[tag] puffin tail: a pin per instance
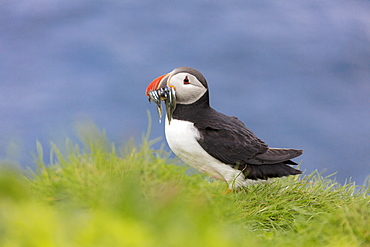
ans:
(264, 172)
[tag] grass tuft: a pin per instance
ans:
(99, 194)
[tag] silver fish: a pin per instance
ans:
(170, 103)
(168, 95)
(153, 96)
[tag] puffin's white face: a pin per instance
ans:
(188, 88)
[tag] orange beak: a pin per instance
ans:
(159, 90)
(158, 83)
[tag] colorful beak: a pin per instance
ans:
(159, 91)
(160, 82)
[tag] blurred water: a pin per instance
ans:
(297, 73)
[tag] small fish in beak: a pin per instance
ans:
(158, 91)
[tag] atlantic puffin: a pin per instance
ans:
(211, 142)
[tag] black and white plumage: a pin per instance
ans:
(212, 142)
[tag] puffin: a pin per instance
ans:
(211, 142)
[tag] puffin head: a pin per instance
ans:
(183, 85)
(188, 83)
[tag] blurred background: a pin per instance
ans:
(297, 73)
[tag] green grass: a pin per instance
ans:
(102, 195)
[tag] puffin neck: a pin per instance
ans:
(184, 112)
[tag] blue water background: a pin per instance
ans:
(297, 73)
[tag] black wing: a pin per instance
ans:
(228, 140)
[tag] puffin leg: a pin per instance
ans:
(228, 190)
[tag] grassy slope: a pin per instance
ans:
(100, 196)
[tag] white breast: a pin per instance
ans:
(182, 138)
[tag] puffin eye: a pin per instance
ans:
(186, 80)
